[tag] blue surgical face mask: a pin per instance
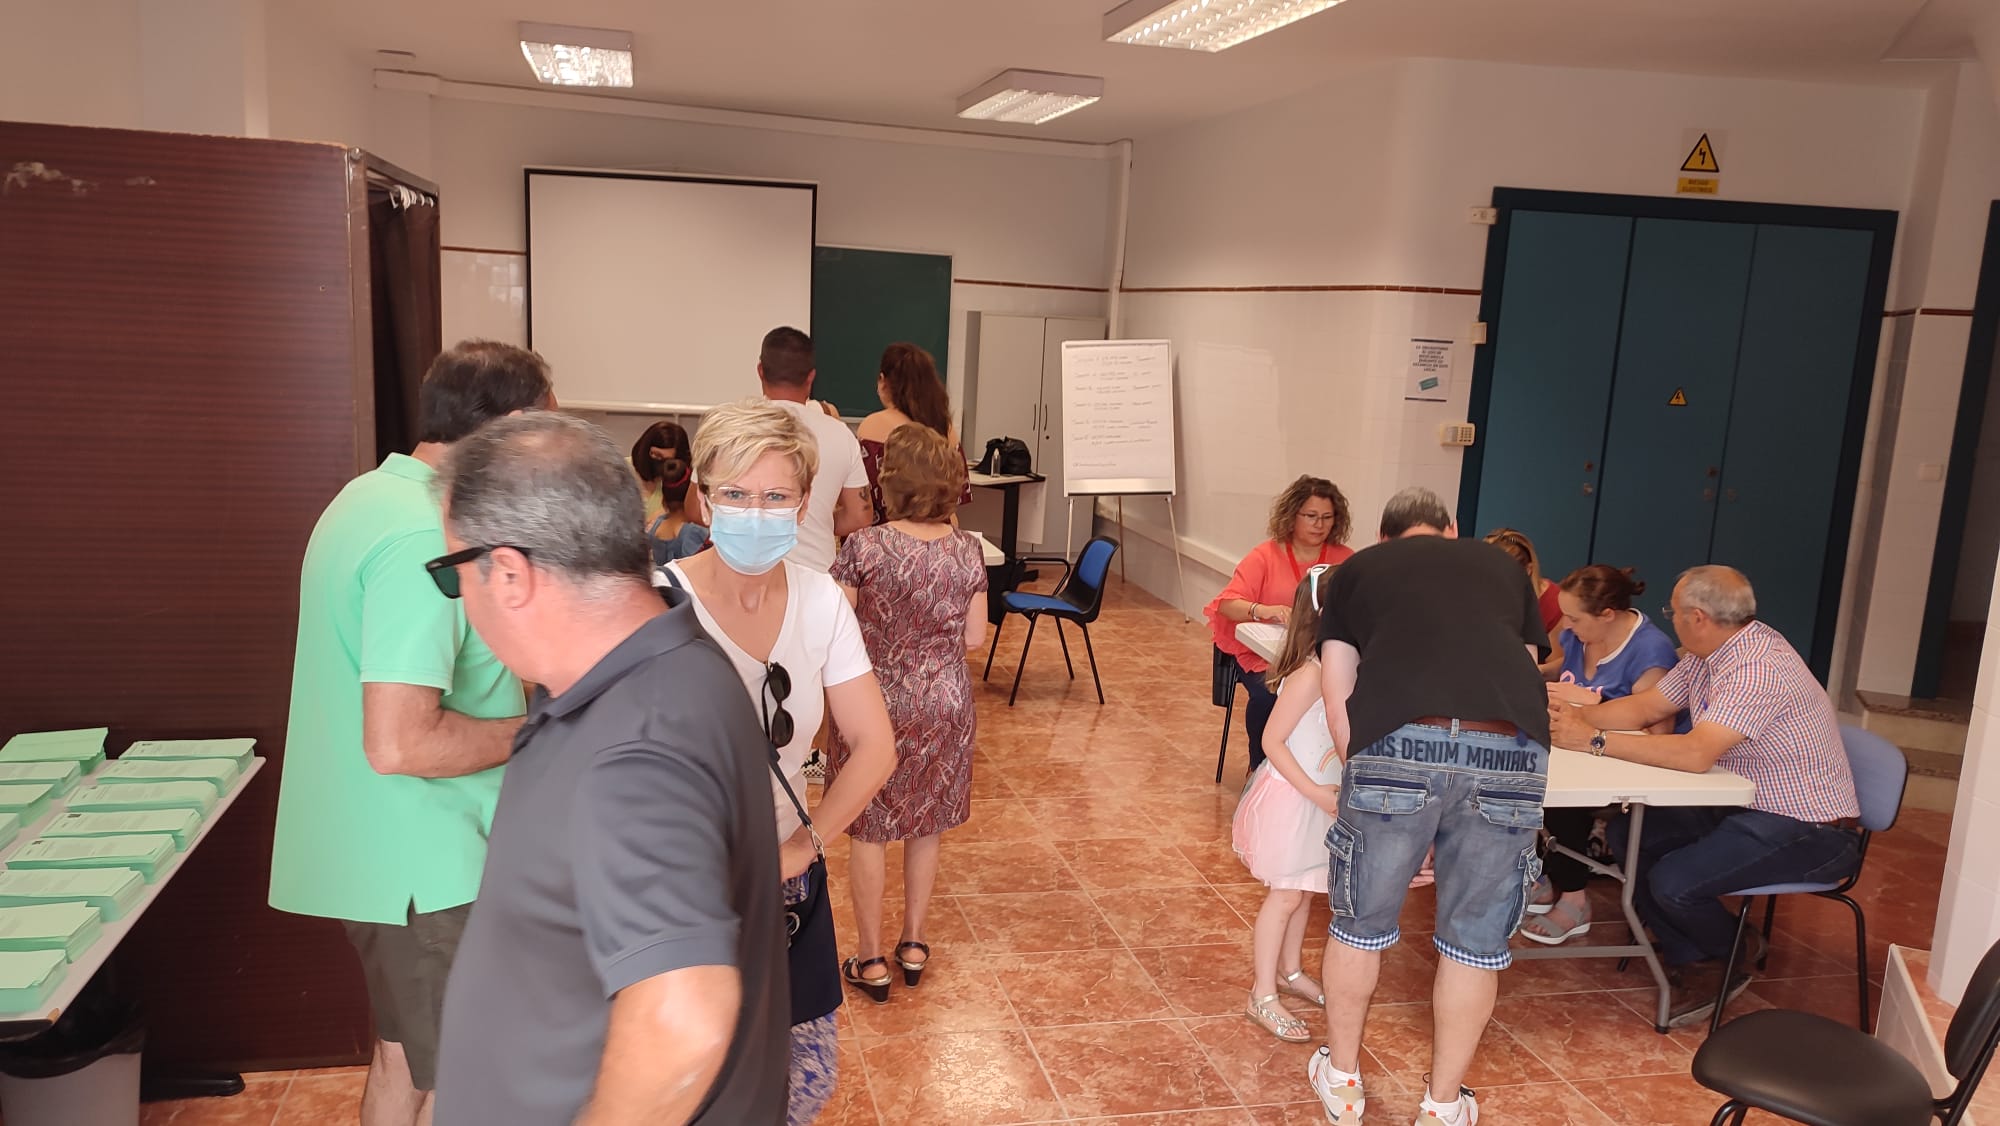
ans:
(752, 540)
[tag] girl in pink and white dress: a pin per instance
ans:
(1281, 823)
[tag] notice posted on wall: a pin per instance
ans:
(1430, 370)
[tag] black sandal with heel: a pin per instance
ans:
(913, 972)
(851, 973)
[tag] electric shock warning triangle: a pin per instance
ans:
(1702, 158)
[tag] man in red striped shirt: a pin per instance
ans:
(1759, 712)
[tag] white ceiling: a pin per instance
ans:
(905, 62)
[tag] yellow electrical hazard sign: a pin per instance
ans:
(1701, 158)
(1680, 398)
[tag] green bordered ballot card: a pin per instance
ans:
(197, 796)
(114, 891)
(68, 927)
(27, 977)
(26, 800)
(10, 827)
(84, 746)
(236, 750)
(181, 824)
(144, 853)
(61, 775)
(219, 772)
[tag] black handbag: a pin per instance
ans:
(1007, 457)
(811, 948)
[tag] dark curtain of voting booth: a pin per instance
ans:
(188, 358)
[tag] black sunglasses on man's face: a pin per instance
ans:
(444, 569)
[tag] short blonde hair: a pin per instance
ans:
(922, 475)
(734, 435)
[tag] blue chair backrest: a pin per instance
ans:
(1880, 772)
(1084, 589)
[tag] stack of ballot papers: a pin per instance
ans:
(84, 747)
(27, 977)
(181, 824)
(197, 796)
(61, 775)
(68, 927)
(144, 853)
(113, 891)
(236, 750)
(10, 827)
(26, 800)
(221, 772)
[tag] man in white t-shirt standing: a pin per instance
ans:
(838, 503)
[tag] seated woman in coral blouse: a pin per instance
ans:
(1309, 525)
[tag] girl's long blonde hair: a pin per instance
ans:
(1303, 633)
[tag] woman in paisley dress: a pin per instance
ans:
(918, 585)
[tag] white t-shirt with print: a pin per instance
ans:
(840, 467)
(819, 645)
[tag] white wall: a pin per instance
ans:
(1367, 181)
(44, 78)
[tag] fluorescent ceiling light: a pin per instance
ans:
(577, 56)
(1030, 96)
(1203, 25)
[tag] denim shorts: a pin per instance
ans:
(1478, 798)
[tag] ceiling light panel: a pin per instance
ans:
(1030, 97)
(577, 56)
(1203, 25)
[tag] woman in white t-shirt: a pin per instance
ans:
(794, 640)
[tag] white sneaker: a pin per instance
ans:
(1433, 1113)
(1340, 1095)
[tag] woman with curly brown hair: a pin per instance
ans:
(1309, 525)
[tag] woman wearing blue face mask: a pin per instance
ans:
(795, 642)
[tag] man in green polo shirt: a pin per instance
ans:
(400, 721)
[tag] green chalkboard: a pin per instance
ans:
(862, 302)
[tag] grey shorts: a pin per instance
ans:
(406, 967)
(1477, 798)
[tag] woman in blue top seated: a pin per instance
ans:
(1609, 650)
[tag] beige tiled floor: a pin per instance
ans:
(1092, 937)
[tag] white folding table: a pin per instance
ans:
(1579, 780)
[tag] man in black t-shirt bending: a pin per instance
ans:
(1429, 646)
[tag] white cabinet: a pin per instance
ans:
(1013, 389)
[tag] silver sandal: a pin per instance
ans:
(1288, 984)
(1268, 1014)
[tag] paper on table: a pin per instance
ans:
(219, 771)
(61, 775)
(81, 737)
(114, 891)
(234, 749)
(145, 853)
(26, 800)
(198, 796)
(27, 977)
(10, 827)
(182, 824)
(69, 927)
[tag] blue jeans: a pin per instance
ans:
(1690, 858)
(1256, 710)
(1478, 798)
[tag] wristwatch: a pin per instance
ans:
(1597, 744)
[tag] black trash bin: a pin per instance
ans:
(84, 1069)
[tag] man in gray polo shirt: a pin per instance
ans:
(625, 960)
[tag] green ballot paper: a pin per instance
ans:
(10, 827)
(27, 977)
(181, 824)
(61, 775)
(144, 853)
(84, 747)
(68, 927)
(236, 750)
(113, 891)
(220, 772)
(26, 800)
(197, 796)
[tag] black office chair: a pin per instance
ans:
(1823, 1073)
(1078, 598)
(1222, 680)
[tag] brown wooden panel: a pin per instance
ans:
(183, 395)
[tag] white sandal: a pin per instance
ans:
(1268, 1014)
(1288, 984)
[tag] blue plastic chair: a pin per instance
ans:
(1077, 598)
(1880, 773)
